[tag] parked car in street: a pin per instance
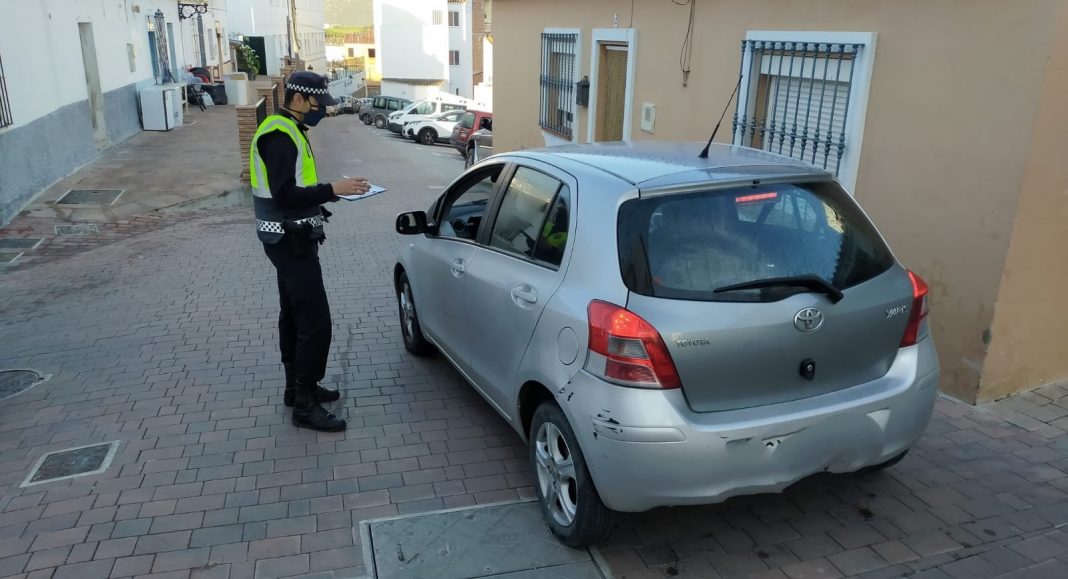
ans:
(379, 108)
(433, 129)
(345, 106)
(425, 108)
(479, 145)
(461, 133)
(664, 329)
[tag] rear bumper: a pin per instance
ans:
(647, 449)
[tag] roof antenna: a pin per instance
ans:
(704, 152)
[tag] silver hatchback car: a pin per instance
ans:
(669, 330)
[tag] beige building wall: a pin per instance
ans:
(949, 129)
(1029, 338)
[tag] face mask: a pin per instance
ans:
(312, 117)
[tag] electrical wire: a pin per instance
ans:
(686, 53)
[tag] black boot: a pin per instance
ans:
(309, 414)
(321, 394)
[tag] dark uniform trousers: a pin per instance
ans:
(304, 325)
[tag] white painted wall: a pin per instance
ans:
(460, 39)
(408, 43)
(39, 40)
(310, 22)
(270, 19)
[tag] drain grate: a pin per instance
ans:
(72, 462)
(14, 381)
(78, 229)
(90, 197)
(19, 243)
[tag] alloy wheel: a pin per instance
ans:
(556, 474)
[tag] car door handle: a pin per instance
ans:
(524, 295)
(458, 267)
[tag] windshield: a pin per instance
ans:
(689, 246)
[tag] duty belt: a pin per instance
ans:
(276, 226)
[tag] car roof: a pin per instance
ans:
(662, 163)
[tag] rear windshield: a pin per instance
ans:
(687, 246)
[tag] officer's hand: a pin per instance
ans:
(351, 186)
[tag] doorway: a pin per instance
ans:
(92, 84)
(613, 93)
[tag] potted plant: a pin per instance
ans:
(248, 61)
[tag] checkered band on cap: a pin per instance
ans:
(305, 89)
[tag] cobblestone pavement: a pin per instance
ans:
(165, 341)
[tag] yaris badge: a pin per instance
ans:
(808, 320)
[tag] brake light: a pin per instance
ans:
(627, 350)
(756, 197)
(917, 326)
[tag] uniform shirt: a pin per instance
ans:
(279, 156)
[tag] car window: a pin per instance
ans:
(448, 107)
(424, 109)
(452, 116)
(522, 216)
(379, 103)
(684, 247)
(468, 120)
(393, 105)
(465, 205)
(553, 239)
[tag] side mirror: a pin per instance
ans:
(412, 223)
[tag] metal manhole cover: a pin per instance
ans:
(72, 462)
(14, 381)
(90, 197)
(505, 540)
(78, 229)
(19, 243)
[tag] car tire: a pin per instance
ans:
(411, 331)
(428, 136)
(380, 122)
(569, 501)
(884, 465)
(366, 119)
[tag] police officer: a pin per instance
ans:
(288, 202)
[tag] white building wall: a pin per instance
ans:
(408, 42)
(40, 41)
(52, 132)
(460, 40)
(310, 22)
(264, 18)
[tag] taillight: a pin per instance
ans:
(627, 350)
(916, 330)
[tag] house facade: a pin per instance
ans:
(70, 71)
(461, 47)
(280, 28)
(412, 46)
(945, 120)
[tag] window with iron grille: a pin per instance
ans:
(436, 18)
(795, 99)
(557, 82)
(454, 18)
(5, 103)
(454, 58)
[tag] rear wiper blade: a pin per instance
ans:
(812, 282)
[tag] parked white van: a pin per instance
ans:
(423, 109)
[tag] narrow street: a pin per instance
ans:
(165, 341)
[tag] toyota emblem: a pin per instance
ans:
(808, 320)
